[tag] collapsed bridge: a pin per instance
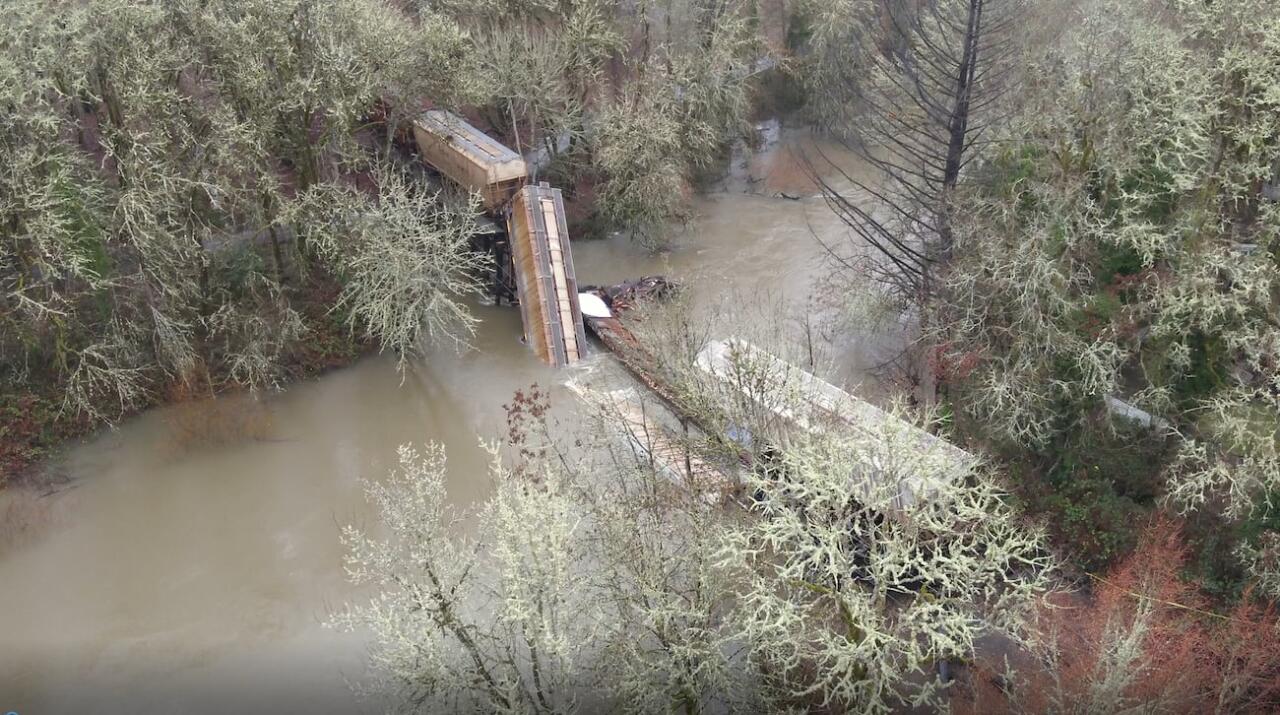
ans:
(533, 262)
(533, 266)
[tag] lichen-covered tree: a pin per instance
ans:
(851, 595)
(54, 208)
(821, 587)
(846, 596)
(637, 144)
(606, 583)
(685, 99)
(671, 642)
(571, 596)
(156, 151)
(544, 73)
(1124, 247)
(490, 625)
(635, 97)
(403, 256)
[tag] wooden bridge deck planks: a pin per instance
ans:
(666, 452)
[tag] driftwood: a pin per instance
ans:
(619, 340)
(624, 296)
(623, 343)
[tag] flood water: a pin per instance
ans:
(183, 569)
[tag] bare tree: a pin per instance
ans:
(918, 106)
(1142, 640)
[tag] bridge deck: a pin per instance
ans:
(658, 445)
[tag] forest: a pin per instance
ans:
(1067, 213)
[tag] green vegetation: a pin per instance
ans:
(200, 193)
(1120, 245)
(1076, 204)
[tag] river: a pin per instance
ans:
(187, 572)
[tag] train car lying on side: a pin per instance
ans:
(922, 464)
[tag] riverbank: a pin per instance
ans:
(35, 426)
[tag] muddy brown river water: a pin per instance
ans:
(182, 574)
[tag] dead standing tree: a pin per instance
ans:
(918, 109)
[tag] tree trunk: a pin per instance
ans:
(958, 126)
